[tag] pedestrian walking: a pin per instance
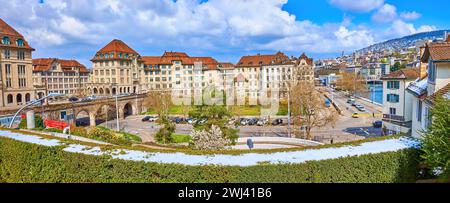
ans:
(373, 114)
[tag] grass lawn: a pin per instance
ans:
(180, 138)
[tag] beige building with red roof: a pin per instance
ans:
(16, 70)
(275, 72)
(117, 68)
(67, 77)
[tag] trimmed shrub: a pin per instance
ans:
(24, 162)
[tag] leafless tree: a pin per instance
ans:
(309, 109)
(351, 82)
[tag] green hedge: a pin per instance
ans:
(24, 162)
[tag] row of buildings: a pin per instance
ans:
(409, 94)
(118, 69)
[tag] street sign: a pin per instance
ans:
(250, 143)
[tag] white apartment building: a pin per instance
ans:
(436, 60)
(67, 77)
(397, 102)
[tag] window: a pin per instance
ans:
(393, 84)
(419, 111)
(393, 98)
(7, 54)
(5, 40)
(392, 111)
(10, 99)
(20, 43)
(431, 71)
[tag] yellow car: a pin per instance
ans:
(355, 115)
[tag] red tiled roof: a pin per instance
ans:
(226, 65)
(439, 93)
(115, 47)
(437, 51)
(8, 31)
(309, 61)
(44, 64)
(258, 60)
(406, 73)
(208, 63)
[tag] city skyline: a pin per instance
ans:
(214, 28)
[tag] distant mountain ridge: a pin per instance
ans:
(404, 42)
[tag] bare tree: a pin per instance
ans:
(351, 82)
(309, 109)
(159, 101)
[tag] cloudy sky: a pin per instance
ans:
(224, 29)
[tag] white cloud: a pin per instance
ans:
(357, 5)
(410, 15)
(215, 26)
(400, 28)
(385, 14)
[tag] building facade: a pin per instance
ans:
(16, 70)
(397, 102)
(435, 59)
(67, 77)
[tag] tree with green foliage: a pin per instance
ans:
(397, 66)
(164, 135)
(436, 140)
(39, 123)
(215, 115)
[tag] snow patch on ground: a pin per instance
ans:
(249, 159)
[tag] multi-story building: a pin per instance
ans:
(435, 59)
(397, 105)
(67, 77)
(16, 70)
(271, 72)
(118, 68)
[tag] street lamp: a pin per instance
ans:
(117, 108)
(33, 103)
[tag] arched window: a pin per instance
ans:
(10, 99)
(19, 98)
(20, 42)
(27, 97)
(5, 40)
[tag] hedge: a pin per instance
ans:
(30, 163)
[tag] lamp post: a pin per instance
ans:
(33, 103)
(117, 110)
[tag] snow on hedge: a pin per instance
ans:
(247, 159)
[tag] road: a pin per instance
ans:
(346, 128)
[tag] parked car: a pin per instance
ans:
(353, 103)
(253, 121)
(202, 121)
(262, 122)
(350, 101)
(179, 120)
(153, 118)
(277, 121)
(146, 118)
(244, 121)
(190, 120)
(378, 124)
(355, 115)
(73, 99)
(360, 108)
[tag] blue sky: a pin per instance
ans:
(224, 29)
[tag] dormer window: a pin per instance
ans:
(5, 40)
(120, 55)
(20, 42)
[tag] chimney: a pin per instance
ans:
(423, 66)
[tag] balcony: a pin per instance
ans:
(389, 117)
